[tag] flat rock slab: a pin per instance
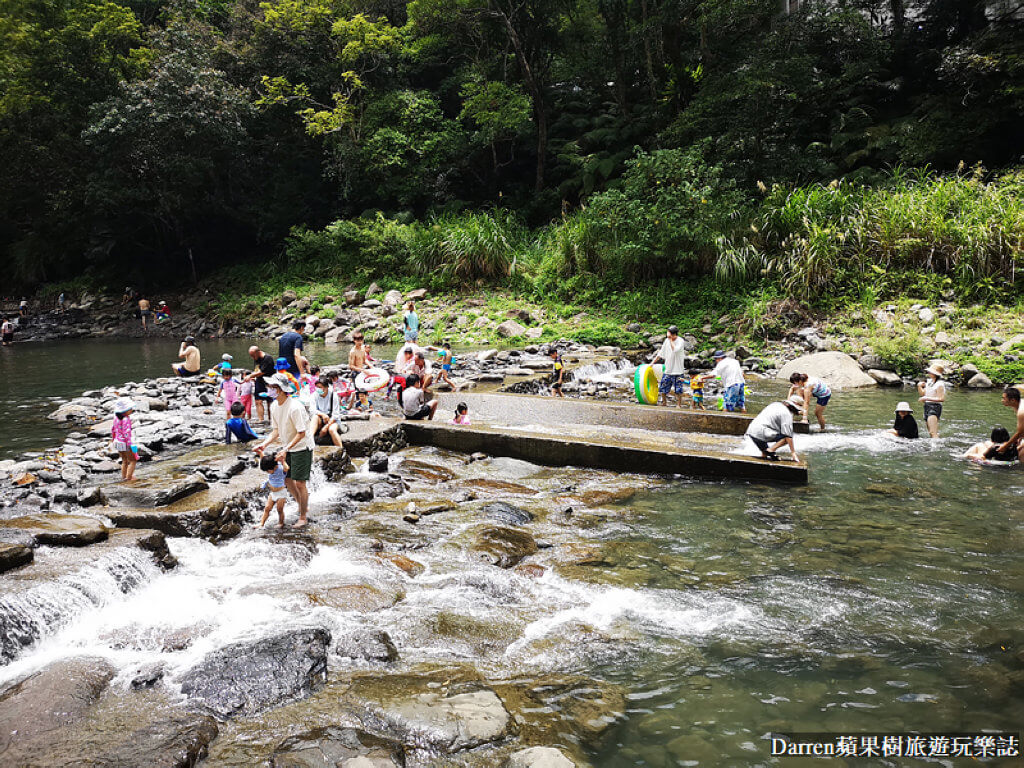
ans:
(155, 491)
(409, 711)
(14, 556)
(33, 709)
(252, 676)
(539, 757)
(59, 530)
(332, 746)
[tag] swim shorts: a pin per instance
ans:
(733, 398)
(671, 383)
(300, 464)
(185, 373)
(823, 401)
(933, 409)
(446, 367)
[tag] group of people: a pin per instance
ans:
(675, 378)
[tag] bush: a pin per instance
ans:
(483, 245)
(905, 354)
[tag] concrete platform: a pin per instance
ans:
(531, 409)
(622, 438)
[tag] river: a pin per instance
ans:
(885, 596)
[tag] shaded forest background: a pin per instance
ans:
(604, 140)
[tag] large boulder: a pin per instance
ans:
(249, 677)
(416, 295)
(838, 370)
(885, 378)
(34, 710)
(980, 381)
(333, 746)
(392, 298)
(510, 328)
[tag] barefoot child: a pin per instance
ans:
(696, 391)
(275, 484)
(447, 361)
(237, 427)
(461, 414)
(121, 435)
(230, 389)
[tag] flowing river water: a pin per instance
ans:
(677, 621)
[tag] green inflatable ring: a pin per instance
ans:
(645, 385)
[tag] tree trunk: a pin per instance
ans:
(536, 95)
(898, 15)
(648, 58)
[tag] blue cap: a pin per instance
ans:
(281, 364)
(719, 353)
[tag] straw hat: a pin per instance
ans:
(903, 405)
(936, 370)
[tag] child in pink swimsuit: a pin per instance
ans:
(230, 389)
(121, 435)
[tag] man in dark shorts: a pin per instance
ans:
(289, 421)
(7, 332)
(262, 370)
(289, 346)
(192, 364)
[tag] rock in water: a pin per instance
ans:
(13, 555)
(249, 677)
(331, 746)
(367, 644)
(32, 710)
(379, 462)
(505, 547)
(58, 530)
(980, 381)
(539, 757)
(838, 370)
(506, 514)
(885, 378)
(447, 723)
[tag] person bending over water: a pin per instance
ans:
(905, 424)
(933, 394)
(775, 425)
(1012, 399)
(807, 387)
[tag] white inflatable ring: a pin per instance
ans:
(372, 379)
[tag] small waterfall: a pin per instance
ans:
(29, 616)
(605, 370)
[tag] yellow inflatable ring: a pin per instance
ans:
(645, 385)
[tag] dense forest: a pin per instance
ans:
(626, 140)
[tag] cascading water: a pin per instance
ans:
(604, 371)
(28, 616)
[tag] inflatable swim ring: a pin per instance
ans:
(372, 379)
(645, 384)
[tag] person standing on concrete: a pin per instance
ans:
(728, 370)
(263, 369)
(673, 354)
(773, 427)
(289, 347)
(289, 421)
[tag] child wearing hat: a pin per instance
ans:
(933, 394)
(121, 437)
(905, 424)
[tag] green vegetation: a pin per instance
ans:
(568, 148)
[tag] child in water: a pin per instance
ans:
(461, 414)
(237, 426)
(121, 436)
(696, 392)
(245, 390)
(447, 361)
(363, 403)
(275, 484)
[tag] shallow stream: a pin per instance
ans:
(676, 622)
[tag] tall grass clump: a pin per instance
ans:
(469, 246)
(824, 240)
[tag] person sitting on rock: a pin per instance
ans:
(193, 362)
(773, 427)
(414, 400)
(905, 424)
(327, 409)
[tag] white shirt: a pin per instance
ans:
(289, 419)
(932, 390)
(729, 371)
(674, 355)
(776, 419)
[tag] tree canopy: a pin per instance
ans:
(142, 136)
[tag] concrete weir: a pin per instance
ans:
(623, 438)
